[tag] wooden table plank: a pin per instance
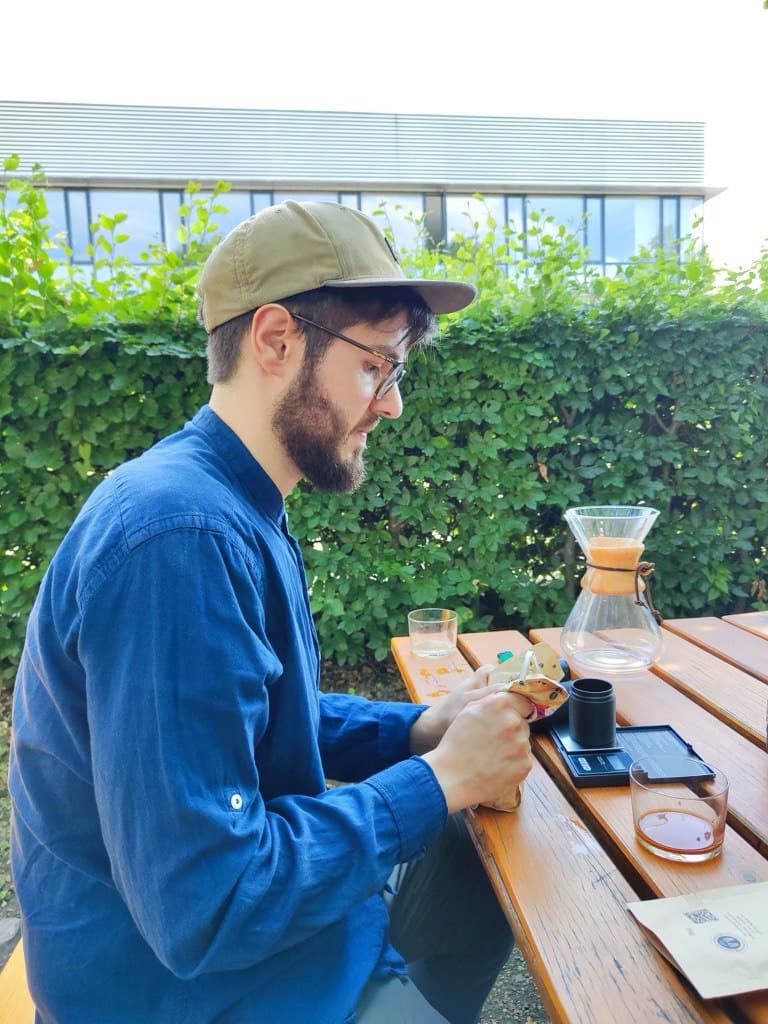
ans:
(734, 696)
(753, 622)
(16, 1006)
(552, 876)
(428, 679)
(746, 650)
(642, 698)
(607, 810)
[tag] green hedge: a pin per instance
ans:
(511, 426)
(558, 387)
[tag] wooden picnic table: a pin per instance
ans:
(566, 863)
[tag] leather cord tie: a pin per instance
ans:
(642, 569)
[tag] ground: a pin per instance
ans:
(514, 999)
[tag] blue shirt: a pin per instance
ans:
(176, 853)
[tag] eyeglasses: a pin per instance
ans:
(385, 385)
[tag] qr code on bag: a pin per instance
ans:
(701, 916)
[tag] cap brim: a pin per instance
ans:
(440, 296)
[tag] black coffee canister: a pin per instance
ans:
(592, 713)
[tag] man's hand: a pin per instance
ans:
(485, 751)
(476, 740)
(429, 728)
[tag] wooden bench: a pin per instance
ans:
(16, 1006)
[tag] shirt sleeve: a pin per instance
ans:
(359, 736)
(178, 667)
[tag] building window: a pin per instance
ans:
(631, 224)
(306, 197)
(434, 217)
(143, 223)
(516, 214)
(402, 213)
(594, 235)
(260, 201)
(612, 228)
(79, 219)
(57, 222)
(670, 226)
(236, 204)
(565, 211)
(468, 216)
(170, 202)
(691, 214)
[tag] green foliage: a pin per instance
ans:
(557, 387)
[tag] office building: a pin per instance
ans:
(618, 184)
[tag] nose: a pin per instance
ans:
(389, 405)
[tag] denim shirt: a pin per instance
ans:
(176, 853)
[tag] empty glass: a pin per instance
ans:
(432, 632)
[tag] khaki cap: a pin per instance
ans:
(296, 247)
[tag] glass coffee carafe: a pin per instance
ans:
(613, 625)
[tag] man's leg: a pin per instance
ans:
(447, 925)
(395, 1000)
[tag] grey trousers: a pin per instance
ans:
(447, 925)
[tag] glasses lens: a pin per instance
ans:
(394, 376)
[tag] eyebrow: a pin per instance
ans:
(390, 350)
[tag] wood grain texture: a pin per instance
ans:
(746, 649)
(428, 679)
(608, 814)
(642, 698)
(608, 809)
(753, 622)
(716, 683)
(566, 901)
(16, 1006)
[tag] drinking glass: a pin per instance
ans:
(679, 807)
(432, 632)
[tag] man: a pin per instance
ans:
(176, 853)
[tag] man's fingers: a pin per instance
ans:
(479, 678)
(522, 705)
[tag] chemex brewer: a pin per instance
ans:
(613, 625)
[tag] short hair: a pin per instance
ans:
(335, 308)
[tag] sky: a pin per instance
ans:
(696, 60)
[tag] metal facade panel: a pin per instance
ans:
(143, 144)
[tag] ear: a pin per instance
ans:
(273, 340)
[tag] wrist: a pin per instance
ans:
(423, 736)
(452, 784)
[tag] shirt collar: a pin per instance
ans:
(252, 477)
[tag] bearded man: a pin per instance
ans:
(177, 854)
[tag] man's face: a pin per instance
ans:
(325, 416)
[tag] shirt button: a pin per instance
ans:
(236, 802)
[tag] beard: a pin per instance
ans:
(312, 431)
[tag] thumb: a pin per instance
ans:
(479, 678)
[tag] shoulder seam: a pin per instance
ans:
(215, 527)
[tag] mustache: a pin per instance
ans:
(367, 425)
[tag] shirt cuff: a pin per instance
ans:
(395, 722)
(416, 802)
